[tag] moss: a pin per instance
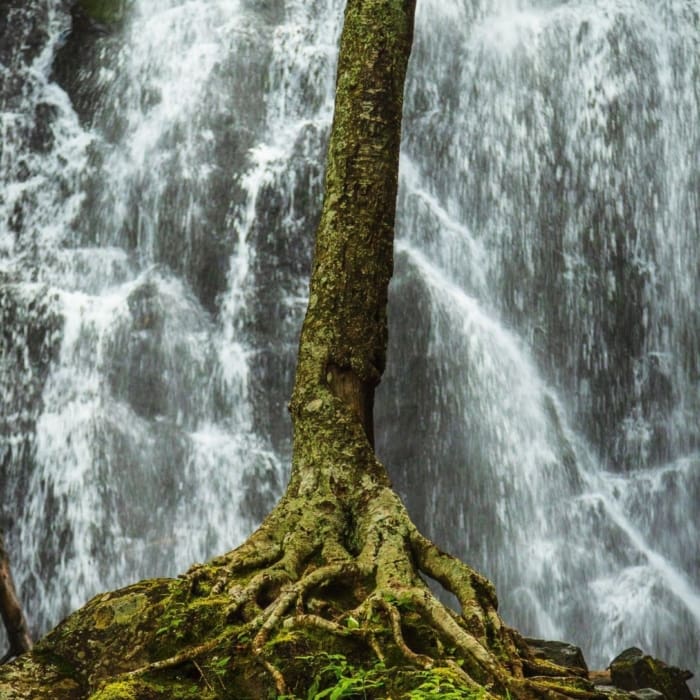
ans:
(29, 678)
(104, 11)
(121, 690)
(139, 689)
(186, 621)
(326, 673)
(633, 669)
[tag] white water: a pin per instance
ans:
(548, 223)
(540, 410)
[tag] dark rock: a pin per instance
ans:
(146, 307)
(88, 47)
(560, 653)
(139, 375)
(84, 24)
(635, 670)
(35, 41)
(42, 138)
(156, 365)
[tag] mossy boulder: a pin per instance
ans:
(635, 670)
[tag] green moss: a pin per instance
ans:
(105, 11)
(441, 684)
(28, 678)
(140, 689)
(336, 675)
(121, 690)
(544, 667)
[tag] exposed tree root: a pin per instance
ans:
(280, 682)
(339, 576)
(189, 654)
(392, 612)
(374, 596)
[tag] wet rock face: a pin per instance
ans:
(23, 34)
(193, 235)
(155, 347)
(88, 48)
(30, 336)
(145, 379)
(636, 671)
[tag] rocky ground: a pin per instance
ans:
(631, 675)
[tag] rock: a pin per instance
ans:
(42, 138)
(89, 47)
(634, 670)
(560, 653)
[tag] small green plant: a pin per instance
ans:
(173, 627)
(347, 681)
(336, 678)
(220, 666)
(440, 687)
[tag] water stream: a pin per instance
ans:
(160, 187)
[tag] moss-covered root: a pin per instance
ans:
(358, 593)
(375, 600)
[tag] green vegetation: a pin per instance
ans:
(105, 11)
(336, 678)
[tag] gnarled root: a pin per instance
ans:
(349, 577)
(387, 605)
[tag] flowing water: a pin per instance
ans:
(160, 187)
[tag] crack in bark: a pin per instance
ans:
(358, 395)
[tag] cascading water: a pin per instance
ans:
(548, 215)
(161, 184)
(140, 454)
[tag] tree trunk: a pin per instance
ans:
(11, 610)
(344, 337)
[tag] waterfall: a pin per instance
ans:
(161, 182)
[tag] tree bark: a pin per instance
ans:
(344, 337)
(11, 610)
